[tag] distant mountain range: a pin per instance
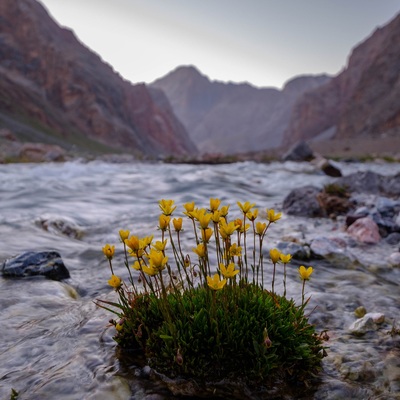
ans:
(54, 90)
(230, 118)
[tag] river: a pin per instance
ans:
(56, 344)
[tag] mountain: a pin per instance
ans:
(55, 90)
(362, 102)
(230, 118)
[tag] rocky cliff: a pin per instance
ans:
(362, 102)
(55, 90)
(232, 118)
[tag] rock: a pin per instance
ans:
(394, 259)
(63, 226)
(45, 263)
(359, 312)
(362, 325)
(393, 238)
(300, 151)
(297, 251)
(378, 318)
(365, 230)
(328, 168)
(303, 202)
(332, 250)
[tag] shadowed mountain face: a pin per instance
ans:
(53, 89)
(232, 118)
(362, 102)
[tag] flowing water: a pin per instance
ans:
(56, 344)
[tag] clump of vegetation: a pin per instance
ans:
(335, 189)
(208, 315)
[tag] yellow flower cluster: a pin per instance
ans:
(212, 224)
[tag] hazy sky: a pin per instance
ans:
(263, 42)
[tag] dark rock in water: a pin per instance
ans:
(371, 182)
(328, 168)
(303, 202)
(297, 251)
(31, 263)
(301, 151)
(393, 238)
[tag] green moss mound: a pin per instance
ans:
(242, 331)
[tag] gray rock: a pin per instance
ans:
(300, 151)
(393, 238)
(303, 202)
(297, 251)
(46, 263)
(362, 325)
(333, 251)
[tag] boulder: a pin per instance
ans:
(300, 151)
(303, 202)
(365, 230)
(327, 167)
(45, 263)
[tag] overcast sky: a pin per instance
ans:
(263, 42)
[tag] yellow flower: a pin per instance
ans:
(133, 243)
(115, 281)
(204, 218)
(167, 206)
(150, 270)
(235, 250)
(252, 215)
(146, 241)
(157, 259)
(108, 251)
(215, 283)
(285, 258)
(271, 216)
(189, 207)
(200, 250)
(160, 246)
(118, 327)
(137, 265)
(206, 234)
(229, 271)
(305, 273)
(164, 222)
(227, 230)
(224, 211)
(260, 228)
(214, 204)
(216, 215)
(123, 235)
(246, 207)
(275, 255)
(177, 224)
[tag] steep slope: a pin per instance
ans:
(51, 81)
(232, 118)
(362, 102)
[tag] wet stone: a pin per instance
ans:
(359, 312)
(362, 325)
(46, 263)
(394, 259)
(297, 251)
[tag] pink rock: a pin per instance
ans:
(365, 230)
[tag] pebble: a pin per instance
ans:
(394, 259)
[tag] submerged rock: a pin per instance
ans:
(45, 263)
